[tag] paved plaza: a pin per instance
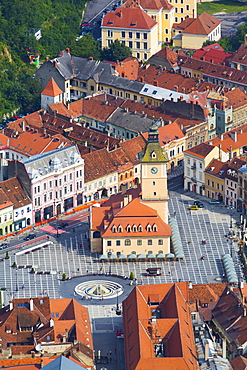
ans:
(69, 253)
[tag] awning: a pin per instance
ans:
(170, 255)
(230, 269)
(176, 239)
(150, 255)
(132, 256)
(141, 256)
(112, 257)
(160, 255)
(122, 256)
(102, 257)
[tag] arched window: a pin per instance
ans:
(153, 155)
(149, 229)
(127, 242)
(140, 228)
(126, 175)
(114, 229)
(154, 228)
(120, 229)
(96, 234)
(131, 174)
(128, 228)
(134, 228)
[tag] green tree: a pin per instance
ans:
(7, 255)
(132, 275)
(64, 277)
(116, 51)
(32, 271)
(86, 47)
(14, 265)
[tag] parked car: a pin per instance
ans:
(214, 201)
(154, 271)
(30, 237)
(4, 245)
(198, 203)
(193, 207)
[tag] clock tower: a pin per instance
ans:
(154, 176)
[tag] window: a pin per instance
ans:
(118, 243)
(70, 176)
(150, 242)
(45, 198)
(50, 195)
(176, 19)
(138, 46)
(123, 34)
(130, 44)
(108, 243)
(44, 186)
(167, 31)
(137, 35)
(160, 242)
(145, 56)
(153, 182)
(109, 42)
(145, 36)
(145, 45)
(181, 10)
(70, 187)
(166, 16)
(109, 33)
(50, 184)
(137, 54)
(56, 183)
(127, 242)
(187, 7)
(130, 35)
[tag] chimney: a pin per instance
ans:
(51, 323)
(41, 364)
(219, 152)
(55, 112)
(126, 200)
(224, 348)
(190, 285)
(241, 284)
(90, 58)
(221, 137)
(23, 126)
(123, 188)
(130, 198)
(54, 64)
(31, 304)
(234, 136)
(120, 13)
(68, 50)
(230, 152)
(64, 338)
(206, 349)
(181, 97)
(244, 312)
(11, 306)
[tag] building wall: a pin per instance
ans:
(214, 187)
(49, 100)
(22, 217)
(231, 192)
(153, 244)
(6, 220)
(109, 182)
(142, 48)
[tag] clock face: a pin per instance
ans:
(154, 170)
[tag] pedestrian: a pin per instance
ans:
(110, 353)
(110, 358)
(175, 214)
(202, 257)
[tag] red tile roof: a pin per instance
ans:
(172, 327)
(129, 16)
(212, 55)
(233, 139)
(168, 133)
(217, 168)
(239, 363)
(15, 193)
(52, 88)
(155, 4)
(237, 98)
(4, 200)
(201, 150)
(241, 55)
(203, 25)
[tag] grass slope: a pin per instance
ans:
(228, 6)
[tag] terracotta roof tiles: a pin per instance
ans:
(52, 88)
(203, 25)
(241, 55)
(201, 150)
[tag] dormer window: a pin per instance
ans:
(134, 228)
(120, 229)
(140, 228)
(128, 228)
(149, 229)
(153, 155)
(154, 228)
(114, 229)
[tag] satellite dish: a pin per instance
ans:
(38, 347)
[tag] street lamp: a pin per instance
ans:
(16, 288)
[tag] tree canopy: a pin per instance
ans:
(116, 51)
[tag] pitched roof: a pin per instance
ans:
(128, 18)
(239, 363)
(201, 150)
(52, 88)
(63, 363)
(172, 327)
(215, 56)
(217, 168)
(237, 98)
(155, 4)
(241, 55)
(4, 200)
(203, 25)
(14, 191)
(168, 133)
(232, 139)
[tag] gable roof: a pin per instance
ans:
(14, 191)
(201, 150)
(241, 55)
(212, 55)
(63, 363)
(237, 98)
(52, 88)
(239, 363)
(4, 200)
(172, 325)
(203, 25)
(217, 168)
(155, 4)
(128, 18)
